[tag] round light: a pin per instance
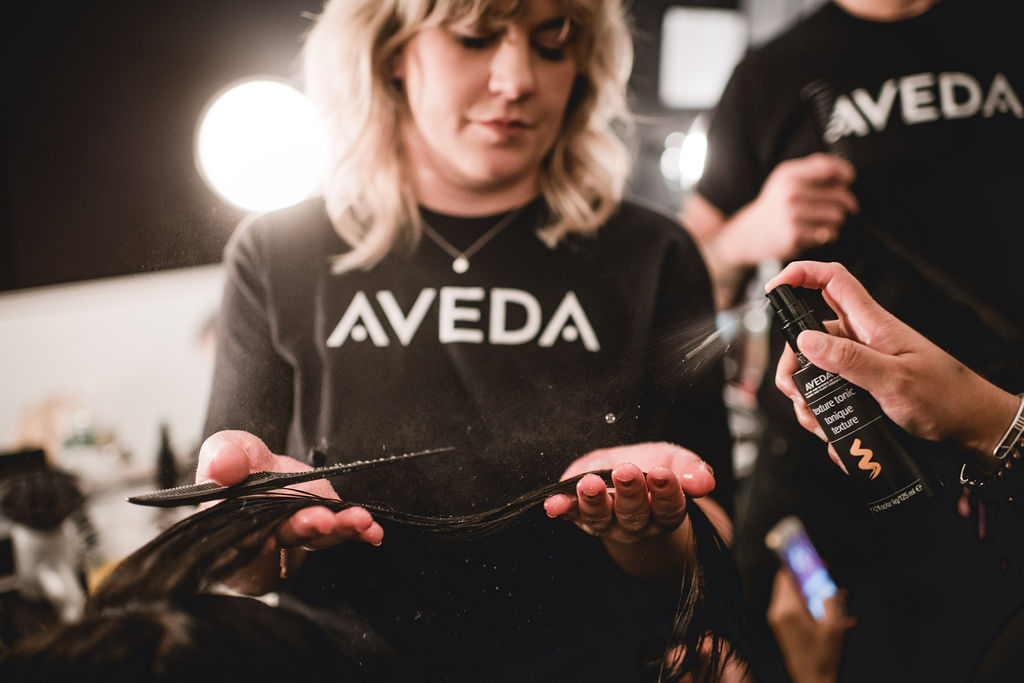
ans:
(692, 153)
(260, 145)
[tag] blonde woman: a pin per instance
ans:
(473, 279)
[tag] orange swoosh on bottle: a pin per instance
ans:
(865, 454)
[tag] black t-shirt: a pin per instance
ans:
(929, 111)
(530, 359)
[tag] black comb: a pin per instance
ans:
(258, 482)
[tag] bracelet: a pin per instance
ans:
(1009, 452)
(1013, 433)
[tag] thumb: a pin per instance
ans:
(228, 456)
(854, 361)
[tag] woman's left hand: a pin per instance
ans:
(811, 649)
(639, 507)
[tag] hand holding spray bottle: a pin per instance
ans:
(890, 480)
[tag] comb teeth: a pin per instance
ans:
(254, 478)
(257, 482)
(163, 493)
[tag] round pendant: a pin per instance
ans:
(460, 265)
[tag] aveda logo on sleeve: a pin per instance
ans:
(460, 319)
(865, 455)
(922, 98)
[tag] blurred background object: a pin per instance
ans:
(45, 544)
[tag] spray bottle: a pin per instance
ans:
(889, 479)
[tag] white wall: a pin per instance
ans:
(128, 348)
(769, 17)
(129, 351)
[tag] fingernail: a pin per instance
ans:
(657, 479)
(709, 468)
(591, 487)
(626, 481)
(810, 340)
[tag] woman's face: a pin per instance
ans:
(485, 104)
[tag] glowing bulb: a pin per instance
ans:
(260, 145)
(691, 156)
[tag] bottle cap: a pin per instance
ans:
(793, 313)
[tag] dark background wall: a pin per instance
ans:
(102, 99)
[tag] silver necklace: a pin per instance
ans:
(460, 259)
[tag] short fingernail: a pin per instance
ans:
(657, 479)
(590, 487)
(811, 342)
(709, 468)
(625, 481)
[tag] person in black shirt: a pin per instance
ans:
(885, 135)
(473, 279)
(910, 377)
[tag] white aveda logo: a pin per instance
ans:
(455, 319)
(923, 97)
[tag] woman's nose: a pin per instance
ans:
(511, 68)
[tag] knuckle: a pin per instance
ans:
(783, 381)
(593, 518)
(845, 355)
(901, 383)
(672, 519)
(633, 520)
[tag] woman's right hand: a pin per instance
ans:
(919, 386)
(803, 204)
(227, 457)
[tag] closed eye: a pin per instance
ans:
(550, 39)
(553, 37)
(477, 42)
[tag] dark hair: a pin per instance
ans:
(154, 619)
(204, 637)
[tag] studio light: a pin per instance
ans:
(692, 153)
(260, 146)
(682, 159)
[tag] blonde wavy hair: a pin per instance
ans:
(347, 61)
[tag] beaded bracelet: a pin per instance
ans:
(1008, 477)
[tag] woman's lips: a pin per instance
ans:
(505, 127)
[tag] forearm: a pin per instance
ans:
(992, 411)
(711, 231)
(801, 671)
(729, 277)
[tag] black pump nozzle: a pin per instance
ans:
(793, 313)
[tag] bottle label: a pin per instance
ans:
(854, 424)
(898, 498)
(842, 409)
(838, 415)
